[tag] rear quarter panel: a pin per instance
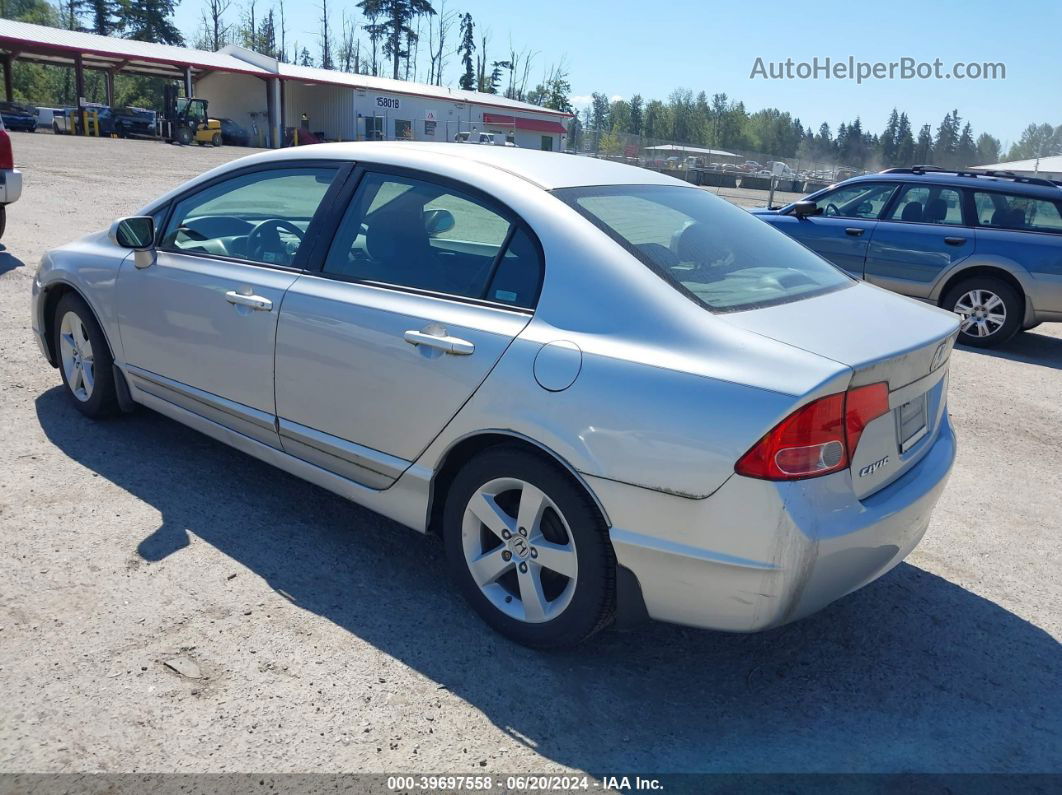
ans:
(1034, 258)
(632, 416)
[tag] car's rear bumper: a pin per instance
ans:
(757, 554)
(10, 185)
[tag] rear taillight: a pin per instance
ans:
(863, 404)
(818, 438)
(7, 158)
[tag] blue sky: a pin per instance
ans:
(651, 48)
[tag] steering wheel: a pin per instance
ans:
(832, 209)
(266, 237)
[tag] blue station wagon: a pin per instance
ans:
(987, 245)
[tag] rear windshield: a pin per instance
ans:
(714, 252)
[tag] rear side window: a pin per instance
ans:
(519, 271)
(415, 233)
(1010, 211)
(714, 252)
(928, 204)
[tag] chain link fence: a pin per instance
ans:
(737, 174)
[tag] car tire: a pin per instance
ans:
(3, 219)
(184, 136)
(84, 358)
(55, 128)
(515, 591)
(216, 139)
(991, 310)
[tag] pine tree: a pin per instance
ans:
(924, 147)
(654, 110)
(495, 77)
(267, 35)
(104, 17)
(947, 140)
(575, 134)
(822, 149)
(600, 109)
(840, 144)
(905, 145)
(376, 32)
(636, 114)
(890, 139)
(855, 147)
(966, 151)
(150, 20)
(396, 27)
(467, 48)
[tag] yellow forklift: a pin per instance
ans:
(186, 120)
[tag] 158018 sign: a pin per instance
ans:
(387, 102)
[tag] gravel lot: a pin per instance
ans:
(328, 639)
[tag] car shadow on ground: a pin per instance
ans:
(913, 673)
(1027, 347)
(8, 261)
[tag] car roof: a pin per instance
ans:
(548, 170)
(964, 180)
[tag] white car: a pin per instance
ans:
(483, 138)
(10, 177)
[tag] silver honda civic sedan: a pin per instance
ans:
(613, 395)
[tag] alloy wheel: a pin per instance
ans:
(519, 550)
(75, 352)
(983, 312)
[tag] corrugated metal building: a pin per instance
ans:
(266, 96)
(1049, 167)
(349, 107)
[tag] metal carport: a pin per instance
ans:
(59, 47)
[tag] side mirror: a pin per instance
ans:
(137, 232)
(437, 221)
(805, 208)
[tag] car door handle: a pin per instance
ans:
(955, 241)
(854, 231)
(259, 303)
(451, 345)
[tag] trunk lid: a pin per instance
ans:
(883, 337)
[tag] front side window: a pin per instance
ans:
(928, 204)
(414, 233)
(715, 252)
(1010, 211)
(261, 216)
(862, 200)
